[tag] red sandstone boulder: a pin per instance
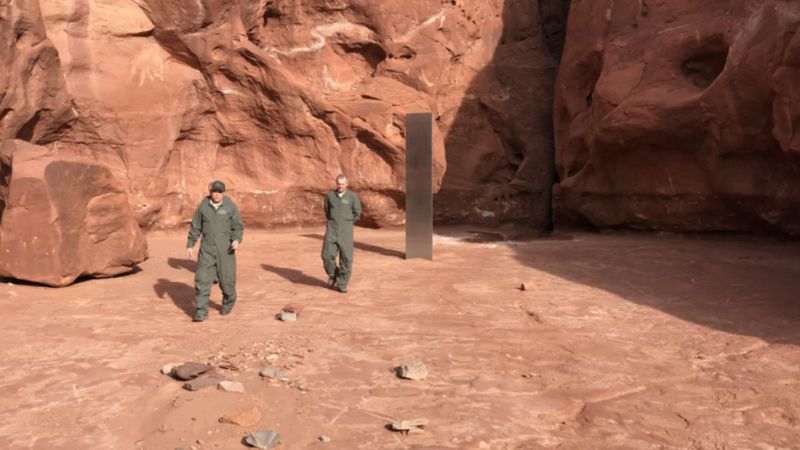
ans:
(680, 115)
(62, 218)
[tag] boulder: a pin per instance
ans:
(63, 217)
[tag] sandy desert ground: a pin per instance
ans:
(629, 340)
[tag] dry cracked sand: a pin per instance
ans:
(625, 341)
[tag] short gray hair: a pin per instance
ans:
(341, 177)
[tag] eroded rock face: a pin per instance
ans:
(499, 144)
(680, 115)
(278, 97)
(62, 218)
(33, 99)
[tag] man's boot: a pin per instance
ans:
(200, 315)
(227, 308)
(332, 279)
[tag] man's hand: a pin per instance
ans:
(190, 252)
(234, 245)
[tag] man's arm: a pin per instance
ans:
(356, 208)
(194, 232)
(237, 227)
(327, 206)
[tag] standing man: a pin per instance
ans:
(342, 209)
(217, 219)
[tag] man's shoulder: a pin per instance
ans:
(228, 201)
(352, 194)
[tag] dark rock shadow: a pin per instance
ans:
(295, 276)
(181, 294)
(735, 284)
(365, 247)
(500, 148)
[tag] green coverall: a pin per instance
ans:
(216, 259)
(341, 214)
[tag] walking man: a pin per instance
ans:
(342, 209)
(217, 219)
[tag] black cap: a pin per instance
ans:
(217, 186)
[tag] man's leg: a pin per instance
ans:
(346, 266)
(329, 251)
(227, 281)
(203, 278)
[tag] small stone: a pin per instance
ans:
(413, 371)
(230, 386)
(526, 287)
(273, 357)
(264, 440)
(201, 383)
(167, 369)
(247, 418)
(274, 373)
(406, 425)
(293, 308)
(190, 370)
(287, 316)
(303, 387)
(324, 439)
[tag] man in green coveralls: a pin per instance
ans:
(342, 209)
(217, 219)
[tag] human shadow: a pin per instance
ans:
(183, 263)
(181, 294)
(294, 275)
(366, 247)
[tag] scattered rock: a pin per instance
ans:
(247, 418)
(526, 287)
(415, 370)
(408, 425)
(303, 387)
(287, 316)
(229, 366)
(230, 386)
(274, 373)
(201, 383)
(273, 357)
(293, 308)
(263, 439)
(324, 439)
(190, 370)
(167, 369)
